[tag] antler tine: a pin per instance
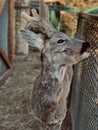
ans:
(31, 21)
(41, 20)
(44, 11)
(44, 18)
(34, 13)
(26, 16)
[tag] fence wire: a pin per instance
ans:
(84, 96)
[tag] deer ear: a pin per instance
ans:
(35, 40)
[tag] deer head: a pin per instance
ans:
(59, 48)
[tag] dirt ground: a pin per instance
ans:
(15, 103)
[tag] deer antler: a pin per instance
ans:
(41, 20)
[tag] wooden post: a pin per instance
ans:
(10, 30)
(4, 57)
(2, 5)
(4, 77)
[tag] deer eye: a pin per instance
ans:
(60, 41)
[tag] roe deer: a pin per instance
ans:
(58, 53)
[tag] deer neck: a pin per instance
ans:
(53, 72)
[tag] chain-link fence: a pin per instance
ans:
(84, 96)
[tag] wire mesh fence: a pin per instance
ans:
(84, 96)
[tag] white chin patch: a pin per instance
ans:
(85, 55)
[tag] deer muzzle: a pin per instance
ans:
(85, 47)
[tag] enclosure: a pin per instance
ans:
(15, 105)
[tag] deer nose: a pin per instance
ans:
(85, 47)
